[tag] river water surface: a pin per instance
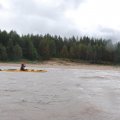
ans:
(60, 94)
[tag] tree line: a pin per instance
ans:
(43, 47)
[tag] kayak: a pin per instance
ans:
(27, 70)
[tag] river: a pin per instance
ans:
(60, 94)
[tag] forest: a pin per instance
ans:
(14, 47)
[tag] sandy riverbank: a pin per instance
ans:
(62, 64)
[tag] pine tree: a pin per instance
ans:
(3, 53)
(64, 52)
(17, 52)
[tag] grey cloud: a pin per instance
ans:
(1, 6)
(109, 33)
(54, 11)
(25, 16)
(29, 8)
(29, 17)
(41, 25)
(106, 30)
(104, 33)
(73, 3)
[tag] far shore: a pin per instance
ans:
(57, 63)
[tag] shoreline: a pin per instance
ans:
(62, 64)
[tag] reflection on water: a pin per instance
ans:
(60, 94)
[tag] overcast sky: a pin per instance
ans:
(97, 18)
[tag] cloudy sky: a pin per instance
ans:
(97, 18)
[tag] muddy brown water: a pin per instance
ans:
(60, 94)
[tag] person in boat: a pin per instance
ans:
(22, 68)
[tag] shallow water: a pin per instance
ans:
(60, 94)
